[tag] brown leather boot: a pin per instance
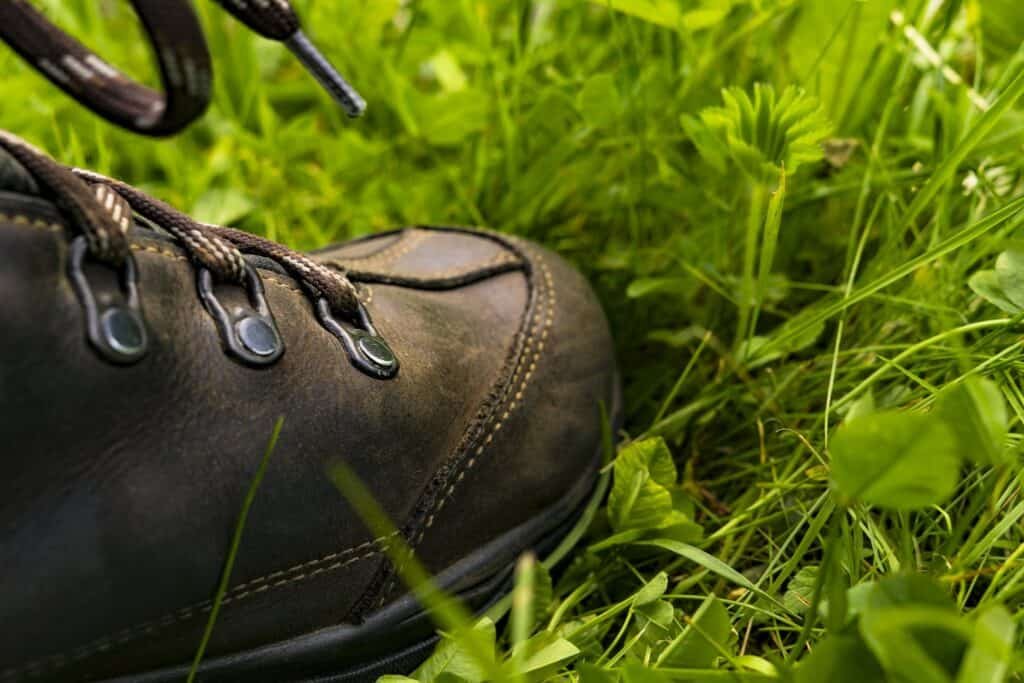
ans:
(144, 359)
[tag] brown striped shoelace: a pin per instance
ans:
(101, 209)
(181, 52)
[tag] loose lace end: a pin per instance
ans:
(325, 73)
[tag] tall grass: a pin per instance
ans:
(792, 211)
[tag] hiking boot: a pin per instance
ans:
(145, 360)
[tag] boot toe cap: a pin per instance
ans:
(538, 444)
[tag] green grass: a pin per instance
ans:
(754, 310)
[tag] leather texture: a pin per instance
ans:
(123, 484)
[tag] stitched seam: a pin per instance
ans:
(29, 222)
(402, 246)
(256, 586)
(517, 399)
(234, 594)
(541, 322)
(498, 259)
(282, 284)
(157, 250)
(461, 270)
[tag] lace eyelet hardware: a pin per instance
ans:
(116, 329)
(365, 347)
(249, 334)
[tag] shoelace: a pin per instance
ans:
(102, 208)
(181, 52)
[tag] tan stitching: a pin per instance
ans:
(462, 269)
(498, 259)
(379, 262)
(29, 222)
(282, 283)
(541, 323)
(307, 570)
(158, 250)
(406, 242)
(517, 399)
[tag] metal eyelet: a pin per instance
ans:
(115, 327)
(366, 349)
(249, 334)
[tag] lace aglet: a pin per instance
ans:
(325, 73)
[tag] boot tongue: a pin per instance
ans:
(14, 177)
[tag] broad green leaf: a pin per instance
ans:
(897, 460)
(991, 651)
(702, 641)
(635, 672)
(683, 507)
(682, 530)
(936, 635)
(915, 642)
(587, 634)
(451, 657)
(659, 612)
(800, 591)
(652, 590)
(840, 659)
(976, 412)
(865, 405)
(1010, 270)
(591, 673)
(757, 664)
(547, 650)
(986, 284)
(640, 496)
(902, 589)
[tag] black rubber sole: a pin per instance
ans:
(551, 549)
(402, 635)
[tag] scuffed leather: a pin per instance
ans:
(123, 484)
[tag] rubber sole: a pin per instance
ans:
(486, 597)
(398, 637)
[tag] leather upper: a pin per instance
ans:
(124, 483)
